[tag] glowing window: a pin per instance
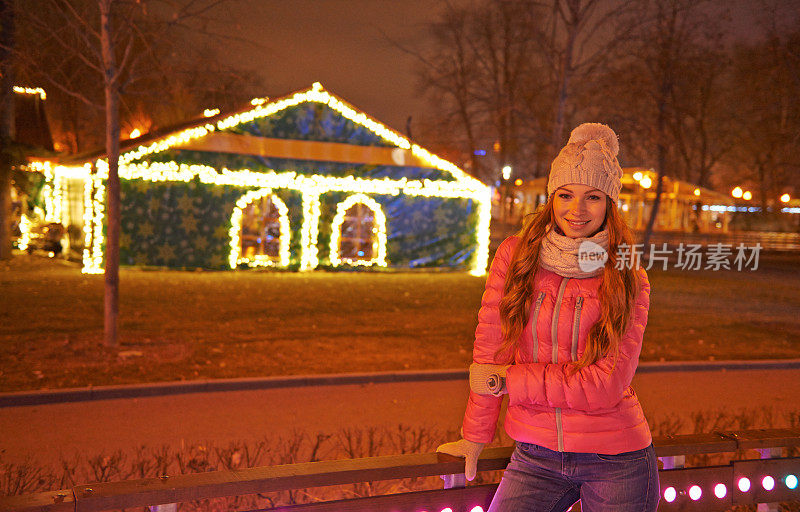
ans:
(358, 235)
(261, 229)
(259, 232)
(357, 240)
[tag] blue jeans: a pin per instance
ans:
(541, 480)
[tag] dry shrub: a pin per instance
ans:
(299, 446)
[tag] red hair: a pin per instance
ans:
(617, 291)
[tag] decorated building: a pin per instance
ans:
(302, 182)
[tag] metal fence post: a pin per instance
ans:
(673, 462)
(168, 507)
(769, 453)
(454, 480)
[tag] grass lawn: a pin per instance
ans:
(194, 325)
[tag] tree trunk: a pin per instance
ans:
(662, 163)
(666, 61)
(6, 124)
(762, 185)
(111, 302)
(562, 95)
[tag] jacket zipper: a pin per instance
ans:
(554, 338)
(534, 321)
(576, 323)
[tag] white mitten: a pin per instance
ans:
(467, 449)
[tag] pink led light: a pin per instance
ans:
(720, 491)
(477, 508)
(670, 494)
(768, 483)
(744, 484)
(695, 492)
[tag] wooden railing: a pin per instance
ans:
(769, 445)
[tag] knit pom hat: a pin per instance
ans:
(589, 158)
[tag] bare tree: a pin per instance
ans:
(702, 128)
(652, 96)
(118, 41)
(512, 75)
(6, 123)
(583, 37)
(767, 75)
(478, 73)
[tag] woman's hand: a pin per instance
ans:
(488, 379)
(467, 449)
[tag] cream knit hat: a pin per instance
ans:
(589, 158)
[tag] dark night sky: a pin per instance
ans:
(344, 44)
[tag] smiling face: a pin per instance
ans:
(579, 210)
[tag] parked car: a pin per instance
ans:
(46, 237)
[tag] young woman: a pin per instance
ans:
(560, 332)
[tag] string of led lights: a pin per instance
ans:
(31, 91)
(379, 243)
(236, 229)
(311, 187)
(25, 233)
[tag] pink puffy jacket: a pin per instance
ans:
(594, 410)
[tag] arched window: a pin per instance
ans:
(357, 241)
(358, 236)
(260, 230)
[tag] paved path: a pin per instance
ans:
(43, 432)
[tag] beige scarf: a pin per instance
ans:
(559, 254)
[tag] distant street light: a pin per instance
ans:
(135, 133)
(645, 182)
(697, 192)
(747, 195)
(506, 172)
(785, 198)
(737, 192)
(518, 182)
(637, 175)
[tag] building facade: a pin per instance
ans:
(300, 182)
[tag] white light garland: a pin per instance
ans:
(309, 233)
(25, 233)
(482, 234)
(58, 198)
(311, 187)
(234, 259)
(31, 91)
(378, 245)
(317, 95)
(95, 263)
(88, 222)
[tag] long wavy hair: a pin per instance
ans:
(617, 291)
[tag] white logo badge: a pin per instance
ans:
(591, 256)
